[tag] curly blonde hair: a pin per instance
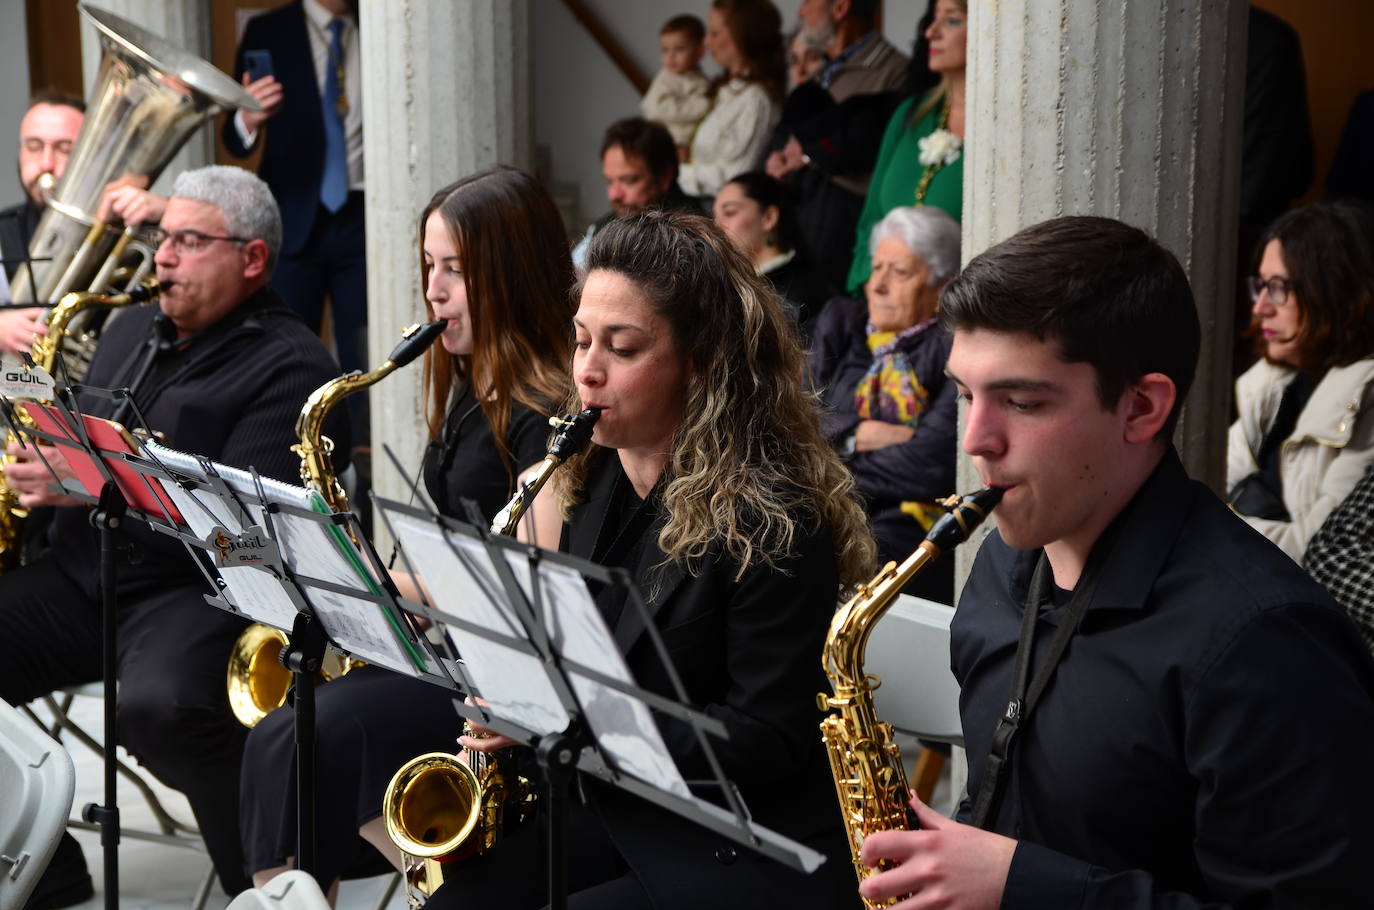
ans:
(748, 469)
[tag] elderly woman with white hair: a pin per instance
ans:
(880, 368)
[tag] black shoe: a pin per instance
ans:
(65, 882)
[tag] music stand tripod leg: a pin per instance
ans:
(557, 754)
(303, 656)
(107, 517)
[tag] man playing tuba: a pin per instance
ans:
(46, 136)
(221, 367)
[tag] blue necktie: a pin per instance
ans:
(334, 184)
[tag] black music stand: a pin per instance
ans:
(517, 610)
(90, 446)
(277, 556)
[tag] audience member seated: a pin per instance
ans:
(1305, 432)
(921, 161)
(827, 141)
(639, 162)
(1341, 555)
(892, 412)
(745, 38)
(755, 213)
(805, 57)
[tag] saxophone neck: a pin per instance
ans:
(73, 304)
(574, 432)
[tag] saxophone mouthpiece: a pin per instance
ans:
(415, 340)
(574, 432)
(964, 517)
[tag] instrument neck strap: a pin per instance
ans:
(1024, 698)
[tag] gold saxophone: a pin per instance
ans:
(257, 681)
(44, 354)
(864, 760)
(437, 808)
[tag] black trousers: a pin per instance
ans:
(367, 724)
(173, 708)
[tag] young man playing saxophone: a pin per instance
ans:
(1205, 734)
(222, 367)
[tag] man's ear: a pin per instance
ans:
(1149, 402)
(839, 10)
(255, 258)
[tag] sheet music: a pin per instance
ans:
(624, 725)
(515, 685)
(259, 595)
(311, 550)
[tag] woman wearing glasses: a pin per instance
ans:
(1305, 431)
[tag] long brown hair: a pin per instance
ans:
(748, 469)
(756, 29)
(513, 252)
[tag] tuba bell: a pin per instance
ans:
(150, 96)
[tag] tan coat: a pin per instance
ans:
(1323, 459)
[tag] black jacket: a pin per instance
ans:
(748, 652)
(920, 470)
(17, 224)
(230, 393)
(1207, 737)
(293, 140)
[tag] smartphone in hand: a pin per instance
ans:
(257, 64)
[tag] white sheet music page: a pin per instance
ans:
(515, 684)
(624, 726)
(311, 549)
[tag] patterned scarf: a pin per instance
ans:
(891, 392)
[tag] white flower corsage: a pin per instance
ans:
(940, 148)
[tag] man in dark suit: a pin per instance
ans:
(310, 130)
(46, 136)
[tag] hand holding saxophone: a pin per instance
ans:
(20, 328)
(30, 477)
(477, 738)
(926, 863)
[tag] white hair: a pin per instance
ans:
(927, 232)
(242, 197)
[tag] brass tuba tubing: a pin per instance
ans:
(865, 761)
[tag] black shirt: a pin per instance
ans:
(231, 393)
(467, 440)
(1207, 735)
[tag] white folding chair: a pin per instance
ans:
(170, 830)
(294, 890)
(37, 784)
(909, 651)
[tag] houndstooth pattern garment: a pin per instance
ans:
(1341, 555)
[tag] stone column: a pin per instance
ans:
(445, 93)
(182, 23)
(1128, 110)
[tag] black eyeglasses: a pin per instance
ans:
(188, 243)
(1278, 289)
